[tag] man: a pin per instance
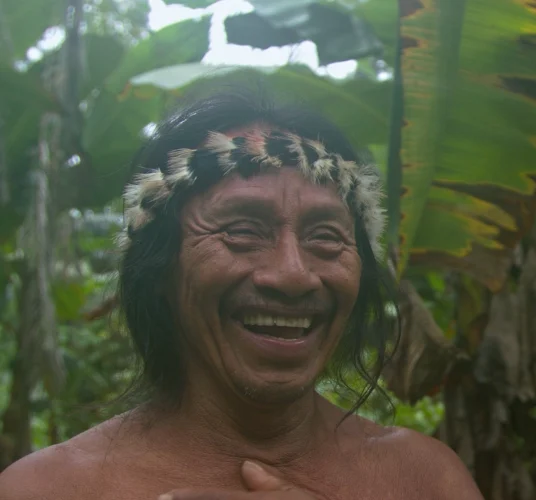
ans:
(249, 271)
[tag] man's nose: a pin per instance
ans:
(285, 271)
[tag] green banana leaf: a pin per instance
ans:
(179, 43)
(115, 119)
(468, 135)
(360, 107)
(383, 16)
(338, 34)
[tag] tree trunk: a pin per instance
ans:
(16, 429)
(37, 355)
(15, 441)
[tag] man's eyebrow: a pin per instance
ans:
(329, 212)
(259, 207)
(245, 204)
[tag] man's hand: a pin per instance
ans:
(263, 485)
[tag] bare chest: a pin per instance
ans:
(336, 481)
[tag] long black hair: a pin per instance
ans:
(148, 262)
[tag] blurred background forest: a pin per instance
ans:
(441, 94)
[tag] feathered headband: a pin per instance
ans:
(359, 185)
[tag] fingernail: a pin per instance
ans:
(165, 497)
(252, 466)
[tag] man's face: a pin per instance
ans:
(267, 276)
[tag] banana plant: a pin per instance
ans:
(465, 169)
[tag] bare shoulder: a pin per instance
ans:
(52, 473)
(431, 464)
(64, 471)
(414, 462)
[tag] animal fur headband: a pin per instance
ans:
(359, 185)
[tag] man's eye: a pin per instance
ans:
(244, 236)
(242, 230)
(326, 235)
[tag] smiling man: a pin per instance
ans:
(249, 271)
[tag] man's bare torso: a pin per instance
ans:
(114, 461)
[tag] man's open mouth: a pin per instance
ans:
(280, 327)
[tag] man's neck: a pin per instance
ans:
(235, 428)
(289, 429)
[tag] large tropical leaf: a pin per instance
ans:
(337, 33)
(175, 44)
(468, 155)
(117, 116)
(382, 15)
(112, 136)
(360, 107)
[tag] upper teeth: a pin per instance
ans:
(265, 320)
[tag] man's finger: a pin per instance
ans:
(257, 478)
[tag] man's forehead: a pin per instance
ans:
(270, 190)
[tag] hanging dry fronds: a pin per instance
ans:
(423, 356)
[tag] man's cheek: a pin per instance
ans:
(206, 277)
(222, 268)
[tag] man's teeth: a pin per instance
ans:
(265, 320)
